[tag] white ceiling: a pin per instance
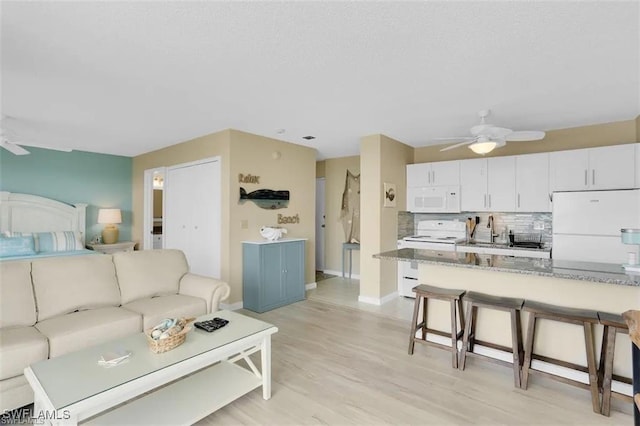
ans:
(129, 77)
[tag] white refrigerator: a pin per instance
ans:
(586, 225)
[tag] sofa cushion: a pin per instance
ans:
(78, 330)
(149, 273)
(17, 304)
(153, 310)
(67, 284)
(20, 347)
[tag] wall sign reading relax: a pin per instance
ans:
(248, 178)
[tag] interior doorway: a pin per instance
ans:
(320, 223)
(153, 223)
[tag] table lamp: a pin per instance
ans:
(109, 217)
(631, 236)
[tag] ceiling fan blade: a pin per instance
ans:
(525, 135)
(13, 148)
(458, 145)
(55, 148)
(498, 132)
(454, 139)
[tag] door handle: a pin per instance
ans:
(585, 177)
(485, 200)
(518, 200)
(593, 176)
(433, 176)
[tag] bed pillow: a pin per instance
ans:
(24, 234)
(17, 246)
(58, 241)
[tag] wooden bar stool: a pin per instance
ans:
(423, 294)
(507, 304)
(613, 324)
(582, 317)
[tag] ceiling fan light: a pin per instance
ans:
(482, 147)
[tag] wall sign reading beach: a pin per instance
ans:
(266, 198)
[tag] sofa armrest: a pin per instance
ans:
(209, 289)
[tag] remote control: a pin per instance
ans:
(212, 324)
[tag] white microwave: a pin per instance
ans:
(433, 199)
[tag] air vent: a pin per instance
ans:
(308, 137)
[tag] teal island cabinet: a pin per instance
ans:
(272, 273)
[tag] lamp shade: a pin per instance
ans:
(109, 216)
(482, 147)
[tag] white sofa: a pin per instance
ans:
(52, 306)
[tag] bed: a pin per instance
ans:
(44, 219)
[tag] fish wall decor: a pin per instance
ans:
(266, 198)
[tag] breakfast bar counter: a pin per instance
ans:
(597, 286)
(607, 273)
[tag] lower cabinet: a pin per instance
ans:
(272, 274)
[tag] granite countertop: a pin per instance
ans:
(608, 273)
(503, 246)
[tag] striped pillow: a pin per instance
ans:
(33, 235)
(16, 246)
(59, 241)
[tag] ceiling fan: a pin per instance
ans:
(14, 144)
(486, 136)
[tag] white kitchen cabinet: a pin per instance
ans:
(532, 183)
(608, 167)
(487, 184)
(443, 173)
(473, 185)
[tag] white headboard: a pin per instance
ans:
(31, 213)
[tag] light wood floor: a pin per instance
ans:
(338, 365)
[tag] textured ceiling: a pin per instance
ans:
(129, 77)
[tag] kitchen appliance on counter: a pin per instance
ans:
(441, 235)
(631, 236)
(586, 225)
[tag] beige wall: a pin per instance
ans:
(243, 153)
(157, 202)
(638, 128)
(293, 171)
(335, 170)
(382, 160)
(619, 132)
(320, 169)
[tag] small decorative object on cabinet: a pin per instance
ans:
(112, 248)
(272, 273)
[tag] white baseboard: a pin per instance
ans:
(339, 274)
(310, 286)
(556, 370)
(378, 301)
(231, 306)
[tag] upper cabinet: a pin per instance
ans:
(433, 174)
(608, 167)
(488, 184)
(532, 183)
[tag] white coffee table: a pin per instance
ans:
(73, 387)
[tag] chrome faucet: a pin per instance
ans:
(491, 227)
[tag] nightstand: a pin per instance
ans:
(112, 248)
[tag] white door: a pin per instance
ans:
(473, 185)
(418, 175)
(612, 167)
(320, 223)
(193, 214)
(532, 183)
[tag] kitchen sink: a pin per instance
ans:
(485, 244)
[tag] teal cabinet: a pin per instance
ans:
(272, 274)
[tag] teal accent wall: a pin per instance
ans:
(100, 180)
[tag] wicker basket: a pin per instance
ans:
(171, 342)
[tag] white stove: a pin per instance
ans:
(440, 235)
(436, 235)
